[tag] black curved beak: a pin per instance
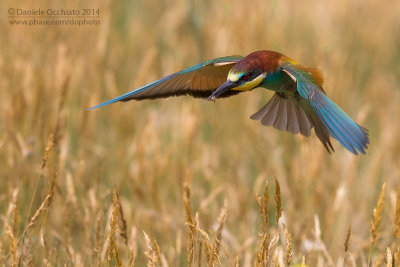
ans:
(222, 89)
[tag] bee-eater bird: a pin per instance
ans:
(298, 105)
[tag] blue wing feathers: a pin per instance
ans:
(341, 126)
(331, 123)
(351, 135)
(344, 120)
(148, 86)
(351, 130)
(333, 129)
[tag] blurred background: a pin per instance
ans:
(60, 162)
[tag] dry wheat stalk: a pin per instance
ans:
(211, 253)
(27, 253)
(52, 142)
(50, 193)
(347, 241)
(189, 221)
(397, 215)
(278, 201)
(44, 207)
(49, 147)
(14, 205)
(208, 256)
(132, 246)
(43, 243)
(348, 256)
(71, 194)
(377, 215)
(397, 255)
(278, 257)
(112, 247)
(64, 91)
(221, 219)
(149, 253)
(389, 258)
(200, 244)
(122, 222)
(15, 220)
(131, 259)
(97, 246)
(272, 247)
(45, 158)
(262, 251)
(13, 247)
(63, 95)
(199, 254)
(261, 210)
(317, 232)
(157, 254)
(3, 255)
(289, 252)
(265, 207)
(35, 217)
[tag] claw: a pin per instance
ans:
(211, 98)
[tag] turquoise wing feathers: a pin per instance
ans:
(198, 81)
(351, 135)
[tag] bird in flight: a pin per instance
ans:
(298, 105)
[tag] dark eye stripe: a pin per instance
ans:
(250, 75)
(246, 76)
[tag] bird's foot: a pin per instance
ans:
(211, 98)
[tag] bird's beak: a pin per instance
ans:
(222, 89)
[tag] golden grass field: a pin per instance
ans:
(182, 181)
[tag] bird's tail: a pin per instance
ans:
(286, 115)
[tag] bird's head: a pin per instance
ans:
(240, 79)
(250, 72)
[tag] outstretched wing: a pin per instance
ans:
(198, 81)
(351, 135)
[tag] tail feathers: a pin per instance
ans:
(285, 115)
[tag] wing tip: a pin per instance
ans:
(104, 104)
(350, 134)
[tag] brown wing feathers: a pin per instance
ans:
(199, 83)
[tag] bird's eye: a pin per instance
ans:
(245, 77)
